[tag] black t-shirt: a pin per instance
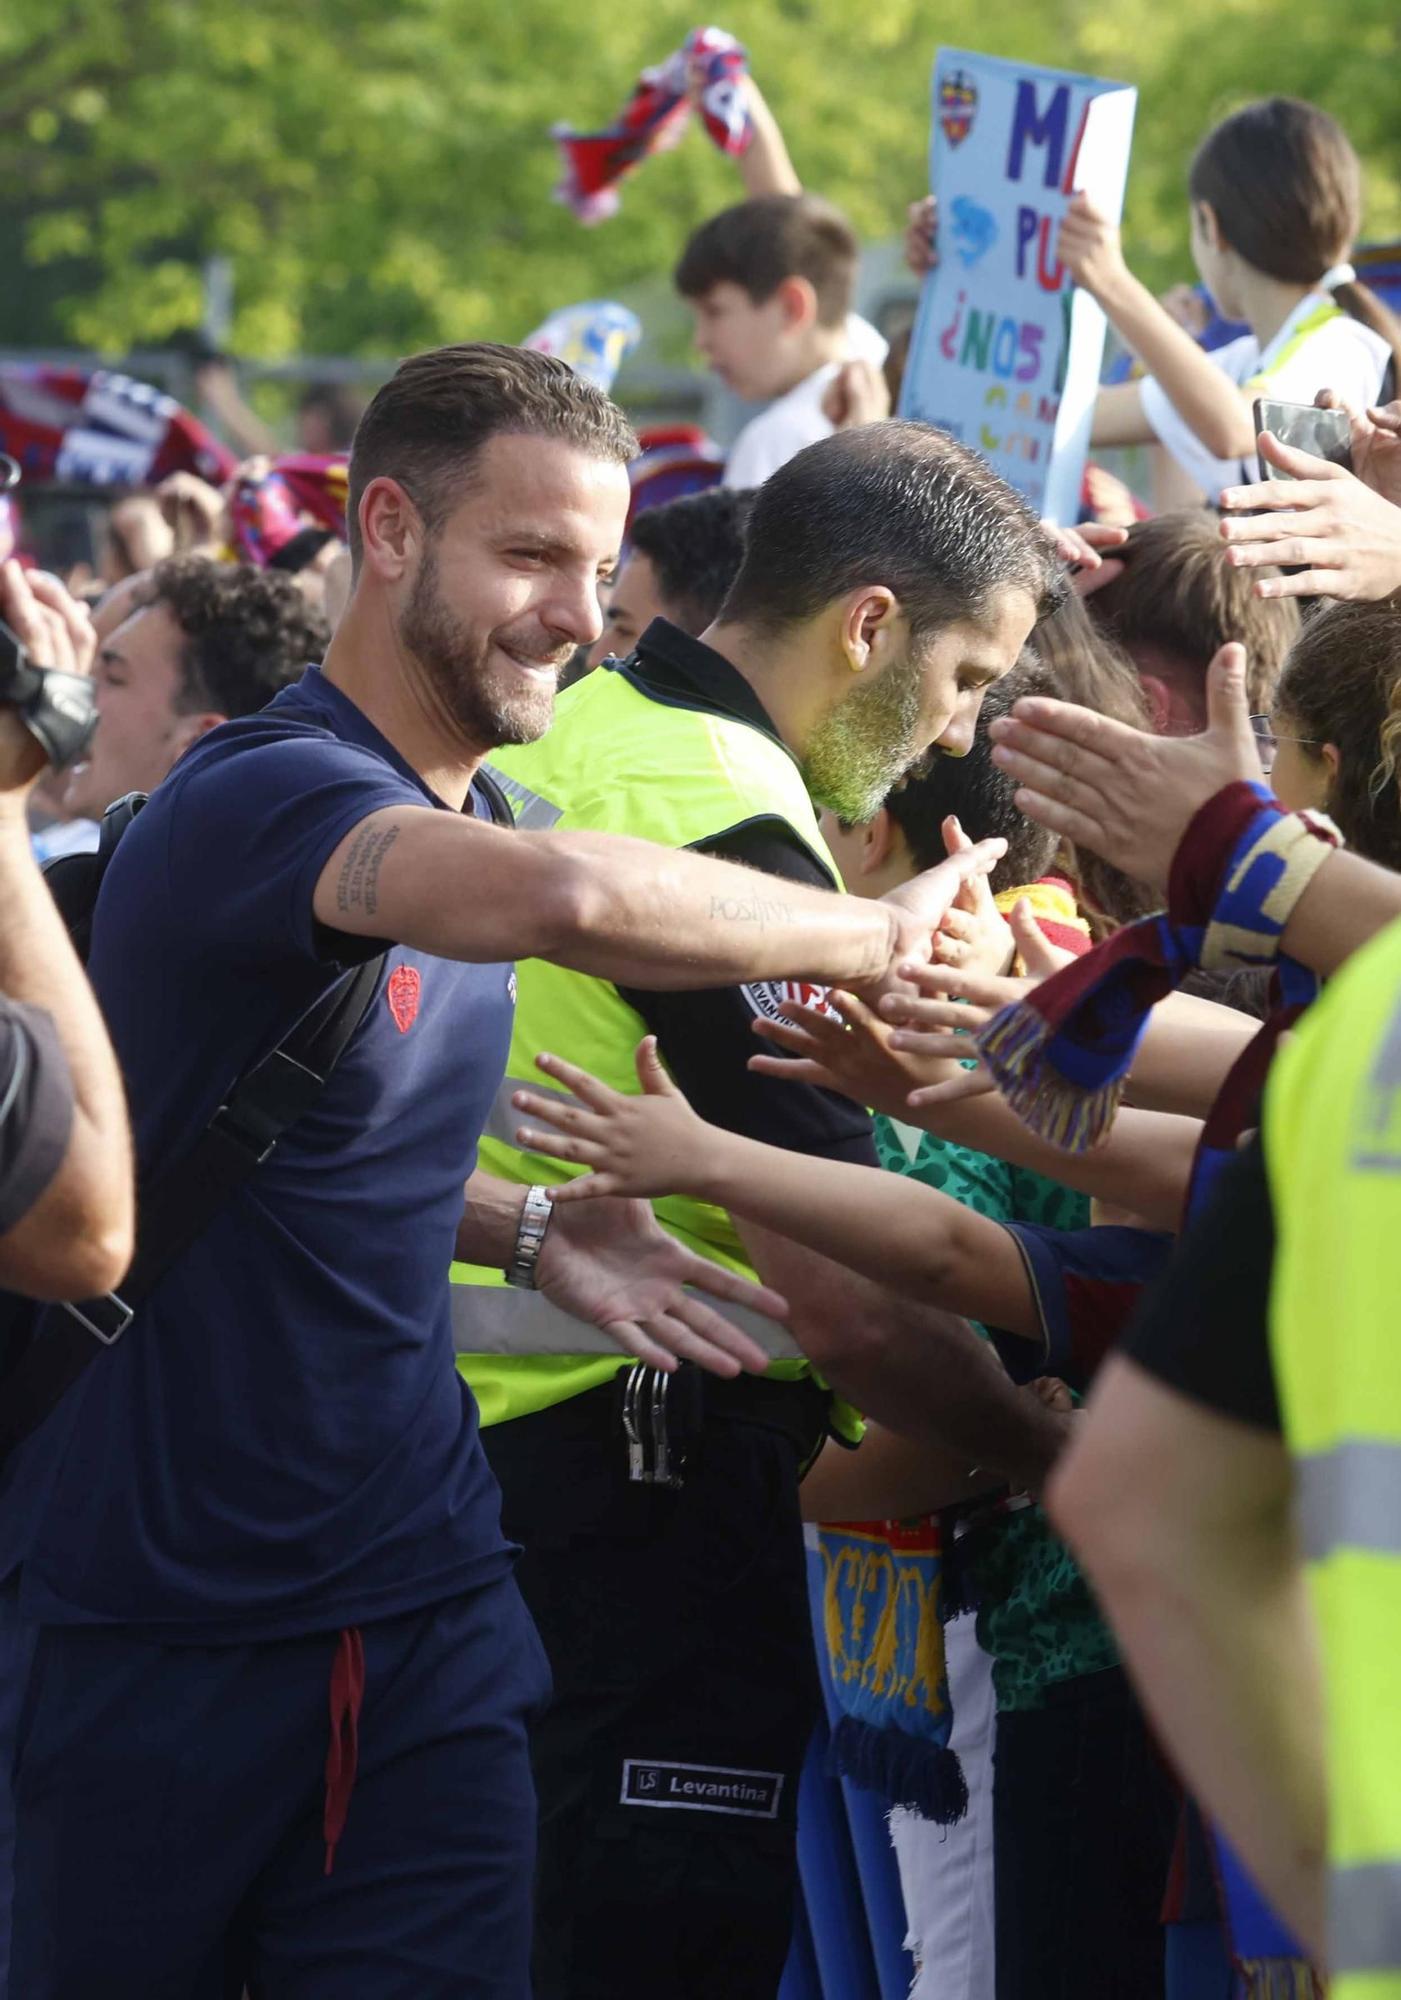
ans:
(36, 1108)
(708, 1037)
(1204, 1327)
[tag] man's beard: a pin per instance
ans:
(866, 742)
(454, 656)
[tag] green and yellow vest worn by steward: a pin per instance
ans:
(615, 760)
(1333, 1145)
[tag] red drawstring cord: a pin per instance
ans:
(347, 1693)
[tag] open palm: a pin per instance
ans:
(610, 1263)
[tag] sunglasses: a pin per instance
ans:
(1268, 740)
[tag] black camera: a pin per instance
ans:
(57, 709)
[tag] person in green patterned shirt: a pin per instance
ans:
(1082, 1814)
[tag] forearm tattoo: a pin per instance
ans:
(358, 887)
(756, 909)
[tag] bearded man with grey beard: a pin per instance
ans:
(889, 578)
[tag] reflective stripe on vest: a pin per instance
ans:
(498, 1319)
(1350, 1498)
(1364, 1918)
(618, 761)
(534, 814)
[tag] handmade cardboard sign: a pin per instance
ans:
(1006, 352)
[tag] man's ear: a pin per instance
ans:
(865, 611)
(799, 303)
(391, 529)
(878, 838)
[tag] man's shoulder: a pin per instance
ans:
(274, 755)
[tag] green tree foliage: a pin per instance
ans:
(379, 171)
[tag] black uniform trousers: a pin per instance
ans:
(685, 1690)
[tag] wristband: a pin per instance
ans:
(535, 1220)
(1060, 1056)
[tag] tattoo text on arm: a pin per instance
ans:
(358, 886)
(756, 909)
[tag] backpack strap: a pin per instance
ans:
(75, 879)
(490, 787)
(263, 1104)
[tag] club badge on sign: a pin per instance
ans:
(958, 106)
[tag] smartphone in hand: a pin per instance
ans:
(1323, 433)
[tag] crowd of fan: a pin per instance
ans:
(1101, 1751)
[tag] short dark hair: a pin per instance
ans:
(427, 423)
(895, 503)
(245, 632)
(695, 546)
(979, 792)
(1342, 685)
(1178, 595)
(757, 244)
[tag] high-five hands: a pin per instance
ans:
(912, 1053)
(922, 904)
(611, 1264)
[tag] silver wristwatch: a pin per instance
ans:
(530, 1238)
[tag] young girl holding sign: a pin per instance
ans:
(1276, 199)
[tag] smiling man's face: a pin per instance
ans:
(509, 586)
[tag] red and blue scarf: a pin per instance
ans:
(653, 118)
(71, 427)
(1061, 1056)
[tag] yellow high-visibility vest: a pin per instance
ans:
(1333, 1147)
(615, 760)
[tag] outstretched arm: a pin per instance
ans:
(1202, 394)
(1142, 1166)
(75, 1240)
(895, 1231)
(894, 1478)
(622, 909)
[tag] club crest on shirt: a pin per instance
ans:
(770, 996)
(404, 987)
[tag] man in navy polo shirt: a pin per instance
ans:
(274, 1735)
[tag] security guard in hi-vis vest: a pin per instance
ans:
(890, 576)
(1333, 1142)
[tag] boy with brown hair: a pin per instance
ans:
(770, 282)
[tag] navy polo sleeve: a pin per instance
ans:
(1087, 1284)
